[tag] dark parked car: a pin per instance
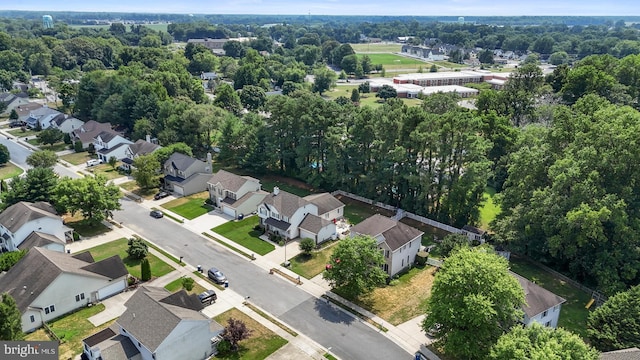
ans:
(216, 275)
(160, 195)
(156, 214)
(208, 297)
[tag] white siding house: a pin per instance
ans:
(110, 144)
(235, 194)
(542, 306)
(18, 221)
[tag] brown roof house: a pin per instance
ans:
(235, 195)
(291, 216)
(20, 220)
(88, 132)
(157, 325)
(399, 242)
(48, 284)
(541, 305)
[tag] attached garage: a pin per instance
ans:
(308, 234)
(229, 211)
(116, 287)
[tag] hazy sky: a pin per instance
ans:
(340, 7)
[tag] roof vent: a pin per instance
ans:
(276, 190)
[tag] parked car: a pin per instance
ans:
(156, 214)
(216, 275)
(208, 297)
(93, 162)
(160, 195)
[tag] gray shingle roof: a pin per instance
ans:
(150, 320)
(38, 239)
(143, 147)
(16, 215)
(40, 267)
(180, 161)
(285, 203)
(538, 299)
(112, 345)
(395, 233)
(473, 229)
(87, 132)
(325, 202)
(107, 135)
(624, 354)
(230, 181)
(313, 223)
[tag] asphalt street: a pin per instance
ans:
(20, 153)
(334, 329)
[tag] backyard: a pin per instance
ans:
(490, 209)
(262, 342)
(573, 315)
(310, 266)
(71, 329)
(190, 207)
(355, 211)
(119, 247)
(242, 232)
(9, 170)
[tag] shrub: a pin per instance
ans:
(67, 139)
(131, 280)
(145, 270)
(137, 248)
(187, 283)
(224, 347)
(77, 146)
(306, 246)
(421, 258)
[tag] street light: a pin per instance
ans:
(286, 263)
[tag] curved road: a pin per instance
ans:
(20, 153)
(331, 327)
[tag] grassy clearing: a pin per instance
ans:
(9, 170)
(77, 158)
(176, 285)
(376, 47)
(369, 99)
(392, 59)
(403, 301)
(310, 266)
(490, 209)
(71, 329)
(119, 247)
(573, 315)
(355, 211)
(106, 170)
(243, 233)
(262, 342)
(189, 207)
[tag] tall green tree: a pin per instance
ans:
(616, 324)
(325, 79)
(356, 266)
(538, 342)
(42, 158)
(228, 99)
(5, 156)
(36, 185)
(91, 197)
(474, 300)
(50, 136)
(146, 171)
(11, 323)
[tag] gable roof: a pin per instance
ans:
(395, 233)
(25, 109)
(624, 354)
(285, 203)
(36, 270)
(180, 161)
(112, 345)
(230, 181)
(43, 111)
(88, 131)
(107, 135)
(16, 215)
(38, 239)
(152, 314)
(325, 202)
(537, 298)
(313, 223)
(143, 147)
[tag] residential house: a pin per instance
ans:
(185, 175)
(139, 148)
(19, 220)
(41, 117)
(399, 242)
(624, 354)
(42, 240)
(541, 305)
(235, 195)
(291, 216)
(208, 76)
(109, 143)
(156, 326)
(66, 124)
(24, 110)
(12, 101)
(473, 233)
(88, 132)
(47, 284)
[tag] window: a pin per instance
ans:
(79, 297)
(545, 313)
(547, 324)
(32, 318)
(49, 309)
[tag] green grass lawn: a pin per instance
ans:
(106, 170)
(573, 315)
(356, 211)
(9, 170)
(71, 329)
(119, 247)
(176, 285)
(369, 99)
(489, 209)
(242, 233)
(19, 133)
(268, 184)
(189, 207)
(376, 47)
(83, 228)
(262, 342)
(310, 266)
(392, 59)
(77, 158)
(59, 146)
(134, 188)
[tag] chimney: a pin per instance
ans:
(209, 162)
(148, 138)
(276, 190)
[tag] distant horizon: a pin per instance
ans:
(478, 8)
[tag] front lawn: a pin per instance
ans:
(84, 228)
(106, 170)
(77, 158)
(403, 301)
(59, 146)
(119, 247)
(310, 266)
(489, 209)
(189, 207)
(9, 170)
(133, 187)
(262, 342)
(243, 233)
(355, 211)
(573, 315)
(71, 329)
(18, 132)
(176, 285)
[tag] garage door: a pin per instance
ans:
(178, 190)
(229, 211)
(111, 289)
(307, 234)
